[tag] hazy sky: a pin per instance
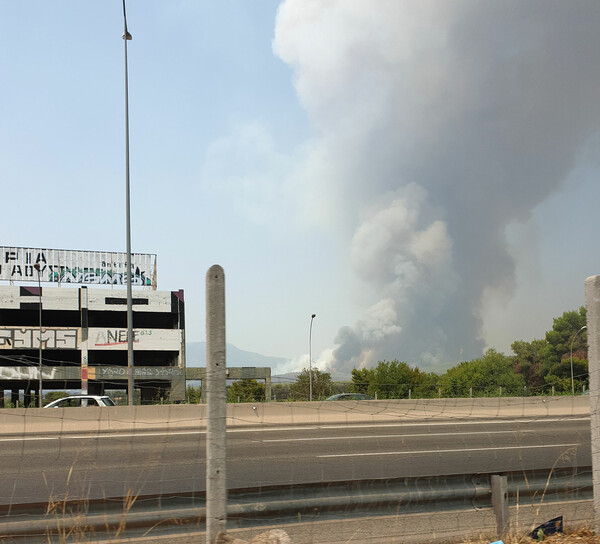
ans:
(421, 174)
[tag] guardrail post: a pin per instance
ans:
(592, 300)
(216, 400)
(500, 502)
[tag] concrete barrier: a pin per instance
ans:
(405, 410)
(185, 416)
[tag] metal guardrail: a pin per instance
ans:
(281, 505)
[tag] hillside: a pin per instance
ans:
(196, 356)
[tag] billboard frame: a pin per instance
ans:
(76, 266)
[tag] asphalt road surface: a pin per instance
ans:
(36, 468)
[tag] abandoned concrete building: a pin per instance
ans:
(83, 334)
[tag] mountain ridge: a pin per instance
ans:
(196, 356)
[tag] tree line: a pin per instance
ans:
(540, 367)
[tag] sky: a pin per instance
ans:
(421, 175)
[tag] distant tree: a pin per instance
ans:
(361, 380)
(483, 376)
(54, 395)
(342, 387)
(559, 375)
(246, 391)
(280, 391)
(529, 362)
(564, 331)
(193, 395)
(391, 380)
(322, 385)
(425, 384)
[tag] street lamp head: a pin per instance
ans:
(313, 316)
(37, 266)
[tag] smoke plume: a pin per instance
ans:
(436, 125)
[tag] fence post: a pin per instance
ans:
(409, 394)
(592, 299)
(500, 502)
(216, 400)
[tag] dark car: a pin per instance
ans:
(350, 396)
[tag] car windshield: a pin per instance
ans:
(108, 401)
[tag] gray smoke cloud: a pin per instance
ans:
(437, 125)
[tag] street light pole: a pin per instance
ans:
(572, 340)
(128, 274)
(39, 271)
(310, 379)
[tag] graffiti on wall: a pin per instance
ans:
(19, 338)
(117, 337)
(121, 372)
(85, 267)
(97, 276)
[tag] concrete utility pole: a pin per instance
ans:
(128, 266)
(592, 300)
(216, 399)
(500, 502)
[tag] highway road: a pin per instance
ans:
(35, 467)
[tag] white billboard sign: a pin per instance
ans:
(84, 267)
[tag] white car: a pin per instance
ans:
(81, 400)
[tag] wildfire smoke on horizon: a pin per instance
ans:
(436, 126)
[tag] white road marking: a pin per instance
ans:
(141, 432)
(416, 435)
(423, 452)
(421, 423)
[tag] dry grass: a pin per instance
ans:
(584, 536)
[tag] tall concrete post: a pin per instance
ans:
(500, 502)
(216, 400)
(592, 301)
